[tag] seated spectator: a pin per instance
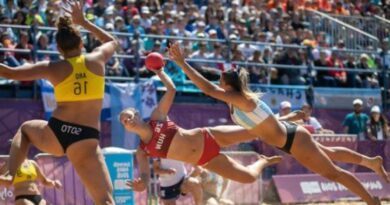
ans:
(23, 44)
(135, 25)
(100, 7)
(356, 122)
(353, 79)
(377, 126)
(246, 48)
(216, 55)
(323, 77)
(312, 121)
(114, 67)
(369, 79)
(201, 54)
(257, 74)
(43, 44)
(335, 61)
(290, 76)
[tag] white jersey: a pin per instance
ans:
(172, 179)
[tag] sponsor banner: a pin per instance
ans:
(274, 95)
(342, 98)
(120, 166)
(314, 188)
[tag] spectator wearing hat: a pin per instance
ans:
(377, 126)
(146, 22)
(356, 122)
(284, 109)
(200, 30)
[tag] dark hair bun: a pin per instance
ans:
(65, 23)
(67, 37)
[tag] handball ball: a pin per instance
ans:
(154, 61)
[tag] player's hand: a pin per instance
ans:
(137, 184)
(176, 53)
(57, 184)
(300, 114)
(76, 12)
(158, 71)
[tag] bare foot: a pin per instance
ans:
(377, 167)
(270, 160)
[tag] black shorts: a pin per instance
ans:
(68, 133)
(291, 130)
(35, 199)
(171, 192)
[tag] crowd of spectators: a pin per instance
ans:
(272, 21)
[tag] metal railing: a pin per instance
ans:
(336, 29)
(376, 26)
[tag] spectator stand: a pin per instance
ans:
(354, 37)
(290, 64)
(374, 25)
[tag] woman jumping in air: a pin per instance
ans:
(250, 112)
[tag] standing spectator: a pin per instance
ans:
(377, 126)
(284, 109)
(356, 122)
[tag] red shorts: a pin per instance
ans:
(211, 148)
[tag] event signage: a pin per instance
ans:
(304, 188)
(120, 166)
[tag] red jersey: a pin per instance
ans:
(163, 133)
